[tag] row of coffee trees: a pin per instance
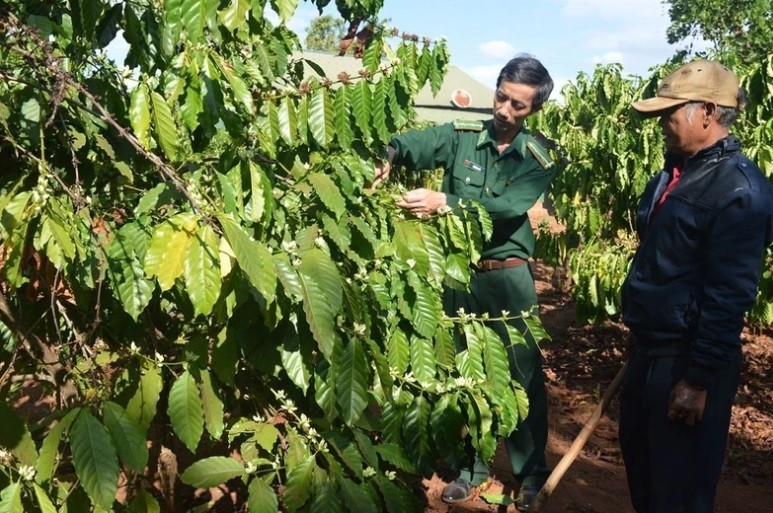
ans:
(198, 282)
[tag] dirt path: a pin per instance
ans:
(580, 363)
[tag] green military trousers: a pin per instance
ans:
(511, 289)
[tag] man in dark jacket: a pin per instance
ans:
(704, 223)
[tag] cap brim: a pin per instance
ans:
(656, 105)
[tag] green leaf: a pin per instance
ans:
(193, 106)
(483, 438)
(296, 369)
(392, 416)
(90, 11)
(495, 359)
(366, 448)
(186, 410)
(497, 498)
(409, 246)
(397, 500)
(258, 193)
(139, 114)
(95, 459)
(108, 26)
(379, 109)
(60, 246)
(303, 119)
(30, 110)
(44, 502)
(202, 270)
(515, 336)
(446, 424)
(395, 455)
(44, 465)
(483, 217)
(356, 497)
(371, 58)
(426, 309)
(164, 127)
(288, 276)
(326, 499)
(15, 436)
(318, 264)
(288, 121)
(535, 327)
(343, 118)
(415, 427)
(212, 406)
(142, 406)
(320, 314)
(324, 386)
(471, 365)
(329, 193)
(129, 440)
(194, 18)
(284, 8)
(422, 361)
(166, 254)
(144, 502)
(241, 92)
(352, 382)
(262, 498)
(322, 117)
(445, 349)
(299, 484)
(235, 14)
(253, 257)
(437, 68)
(10, 499)
(398, 351)
(361, 108)
(212, 471)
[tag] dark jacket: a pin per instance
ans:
(696, 271)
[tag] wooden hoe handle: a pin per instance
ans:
(577, 445)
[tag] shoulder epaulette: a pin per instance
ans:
(468, 126)
(540, 154)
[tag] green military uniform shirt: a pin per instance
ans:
(506, 184)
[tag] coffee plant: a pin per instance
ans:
(609, 153)
(198, 283)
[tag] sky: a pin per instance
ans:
(568, 36)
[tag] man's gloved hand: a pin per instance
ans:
(687, 403)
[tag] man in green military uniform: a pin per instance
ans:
(499, 164)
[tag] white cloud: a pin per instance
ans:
(608, 58)
(486, 75)
(497, 50)
(631, 32)
(639, 10)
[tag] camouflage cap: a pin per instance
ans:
(701, 80)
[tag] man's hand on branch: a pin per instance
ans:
(382, 172)
(422, 201)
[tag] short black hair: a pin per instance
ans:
(526, 69)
